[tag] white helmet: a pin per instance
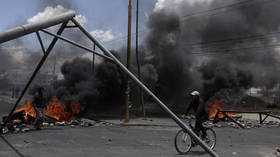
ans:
(195, 93)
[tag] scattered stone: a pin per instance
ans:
(5, 130)
(46, 124)
(17, 129)
(60, 123)
(234, 153)
(74, 122)
(25, 129)
(277, 153)
(52, 124)
(87, 122)
(72, 126)
(26, 141)
(218, 125)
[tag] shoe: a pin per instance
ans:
(206, 140)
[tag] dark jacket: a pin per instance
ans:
(198, 107)
(39, 100)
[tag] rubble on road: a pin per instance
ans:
(277, 152)
(247, 123)
(18, 126)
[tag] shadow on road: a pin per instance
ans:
(194, 153)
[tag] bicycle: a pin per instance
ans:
(183, 141)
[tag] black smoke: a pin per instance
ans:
(220, 60)
(101, 90)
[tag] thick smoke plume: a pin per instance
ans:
(172, 66)
(213, 52)
(94, 90)
(223, 60)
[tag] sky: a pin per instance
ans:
(106, 19)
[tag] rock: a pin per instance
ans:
(60, 123)
(278, 149)
(25, 129)
(87, 122)
(234, 153)
(5, 130)
(26, 141)
(52, 124)
(46, 124)
(74, 122)
(72, 126)
(218, 125)
(17, 129)
(257, 125)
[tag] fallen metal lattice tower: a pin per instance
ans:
(64, 19)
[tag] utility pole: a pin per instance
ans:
(137, 60)
(127, 97)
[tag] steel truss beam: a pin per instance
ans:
(43, 59)
(77, 44)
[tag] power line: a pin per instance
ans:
(231, 6)
(218, 8)
(199, 13)
(230, 51)
(259, 36)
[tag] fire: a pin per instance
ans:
(60, 111)
(214, 106)
(28, 110)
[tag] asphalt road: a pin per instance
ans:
(124, 141)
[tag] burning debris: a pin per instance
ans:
(61, 112)
(229, 118)
(56, 113)
(214, 106)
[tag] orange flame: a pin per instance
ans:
(28, 110)
(214, 106)
(57, 110)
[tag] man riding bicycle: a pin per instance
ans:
(201, 114)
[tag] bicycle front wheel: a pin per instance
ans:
(183, 142)
(210, 138)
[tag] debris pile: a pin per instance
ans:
(247, 123)
(18, 127)
(277, 152)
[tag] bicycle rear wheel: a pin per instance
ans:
(210, 138)
(183, 142)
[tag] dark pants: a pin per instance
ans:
(199, 124)
(39, 117)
